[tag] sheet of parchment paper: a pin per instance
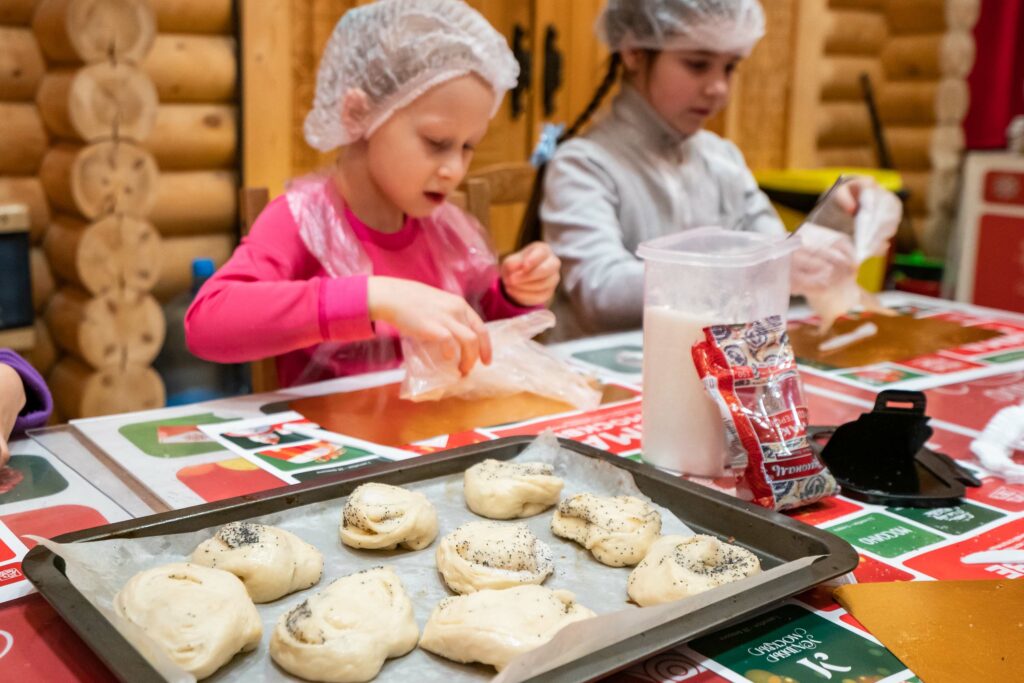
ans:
(99, 569)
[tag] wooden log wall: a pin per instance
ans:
(813, 115)
(922, 102)
(23, 146)
(917, 54)
(99, 255)
(834, 43)
(121, 137)
(193, 64)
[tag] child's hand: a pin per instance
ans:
(429, 314)
(12, 401)
(824, 259)
(531, 275)
(847, 195)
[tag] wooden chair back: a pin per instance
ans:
(496, 196)
(252, 200)
(473, 198)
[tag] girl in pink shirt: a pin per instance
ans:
(345, 262)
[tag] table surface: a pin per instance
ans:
(113, 468)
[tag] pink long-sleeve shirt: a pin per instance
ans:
(273, 298)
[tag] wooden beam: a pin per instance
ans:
(805, 94)
(266, 82)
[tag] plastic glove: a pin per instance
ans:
(878, 214)
(428, 314)
(876, 221)
(825, 258)
(1001, 436)
(531, 275)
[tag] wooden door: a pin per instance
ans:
(511, 133)
(564, 32)
(509, 136)
(313, 22)
(566, 64)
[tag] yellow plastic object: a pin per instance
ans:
(817, 180)
(810, 183)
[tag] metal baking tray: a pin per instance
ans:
(775, 538)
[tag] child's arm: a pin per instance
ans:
(602, 278)
(265, 301)
(25, 402)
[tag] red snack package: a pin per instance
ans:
(750, 373)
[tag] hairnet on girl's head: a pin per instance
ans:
(716, 25)
(394, 51)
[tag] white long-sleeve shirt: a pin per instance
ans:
(628, 179)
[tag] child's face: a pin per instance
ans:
(685, 87)
(421, 154)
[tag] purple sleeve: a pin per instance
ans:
(38, 402)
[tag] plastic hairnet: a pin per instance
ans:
(716, 25)
(394, 51)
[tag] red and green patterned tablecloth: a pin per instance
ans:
(807, 639)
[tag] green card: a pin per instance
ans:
(884, 535)
(1008, 357)
(29, 476)
(307, 455)
(175, 437)
(797, 646)
(953, 520)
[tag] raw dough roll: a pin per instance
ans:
(271, 562)
(493, 555)
(617, 531)
(346, 633)
(200, 617)
(493, 627)
(383, 517)
(508, 490)
(680, 566)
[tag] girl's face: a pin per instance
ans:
(421, 154)
(685, 87)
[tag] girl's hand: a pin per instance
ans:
(847, 195)
(531, 275)
(12, 401)
(429, 314)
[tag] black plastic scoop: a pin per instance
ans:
(880, 457)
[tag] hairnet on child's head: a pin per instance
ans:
(717, 25)
(394, 51)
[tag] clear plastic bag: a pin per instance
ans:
(878, 217)
(519, 364)
(750, 373)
